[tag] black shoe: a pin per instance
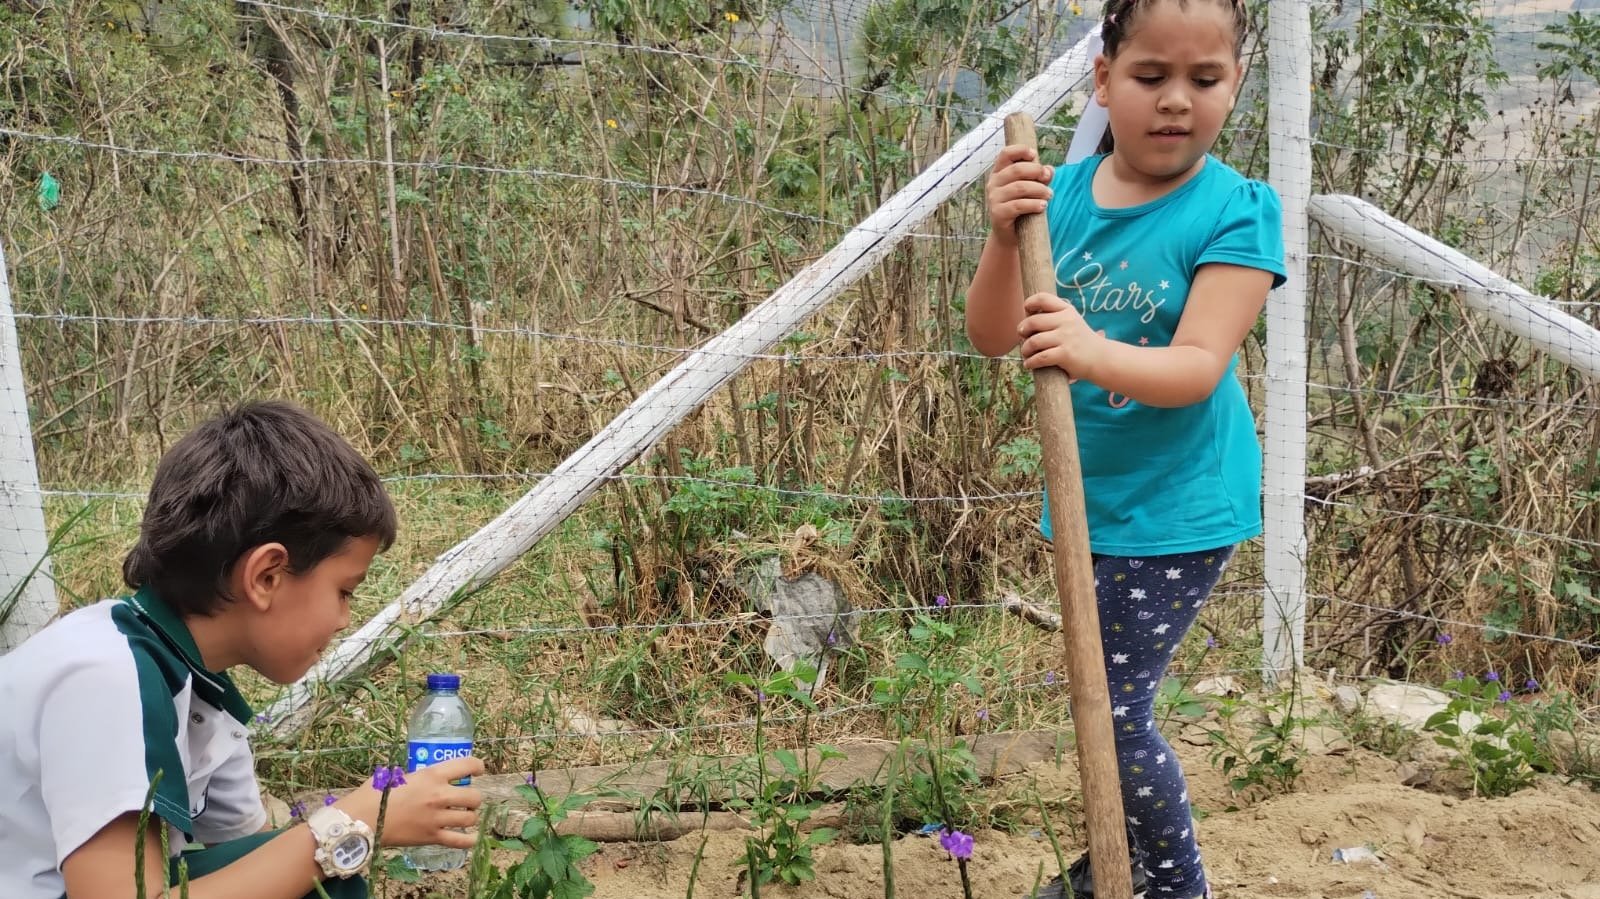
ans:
(1082, 882)
(1080, 877)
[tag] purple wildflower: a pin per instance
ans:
(1211, 642)
(1531, 685)
(263, 718)
(1492, 677)
(1505, 696)
(1459, 675)
(983, 714)
(388, 778)
(1049, 678)
(832, 638)
(531, 780)
(1444, 639)
(958, 844)
(941, 600)
(298, 810)
(329, 799)
(761, 696)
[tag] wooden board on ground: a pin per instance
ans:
(621, 789)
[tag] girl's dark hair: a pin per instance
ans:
(267, 472)
(1121, 16)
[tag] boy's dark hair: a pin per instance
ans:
(265, 472)
(1121, 15)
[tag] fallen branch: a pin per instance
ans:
(1027, 611)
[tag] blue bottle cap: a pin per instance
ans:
(444, 681)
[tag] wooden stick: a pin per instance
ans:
(1086, 668)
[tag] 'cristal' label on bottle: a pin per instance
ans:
(422, 753)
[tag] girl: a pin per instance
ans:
(1163, 258)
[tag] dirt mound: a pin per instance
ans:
(1542, 843)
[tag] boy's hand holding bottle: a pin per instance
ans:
(426, 810)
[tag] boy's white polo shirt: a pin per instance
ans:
(95, 706)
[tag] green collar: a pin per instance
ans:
(215, 688)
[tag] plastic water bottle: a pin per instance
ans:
(440, 730)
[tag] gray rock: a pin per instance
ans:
(1411, 706)
(1347, 699)
(1414, 775)
(1224, 685)
(277, 810)
(1319, 739)
(810, 616)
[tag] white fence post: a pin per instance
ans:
(1283, 600)
(27, 594)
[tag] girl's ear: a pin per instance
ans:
(1102, 75)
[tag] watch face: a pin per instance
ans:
(349, 853)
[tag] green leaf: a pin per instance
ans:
(910, 661)
(552, 861)
(796, 872)
(398, 869)
(820, 836)
(571, 889)
(787, 759)
(579, 848)
(405, 196)
(575, 801)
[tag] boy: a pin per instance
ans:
(260, 526)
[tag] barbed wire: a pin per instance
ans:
(873, 498)
(1452, 519)
(844, 618)
(1457, 623)
(817, 493)
(1047, 681)
(475, 168)
(598, 734)
(272, 321)
(1468, 160)
(630, 184)
(1442, 282)
(790, 357)
(1042, 682)
(1461, 402)
(549, 43)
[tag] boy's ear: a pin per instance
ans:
(260, 572)
(1102, 74)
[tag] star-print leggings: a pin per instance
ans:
(1146, 606)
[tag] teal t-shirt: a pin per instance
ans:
(1159, 481)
